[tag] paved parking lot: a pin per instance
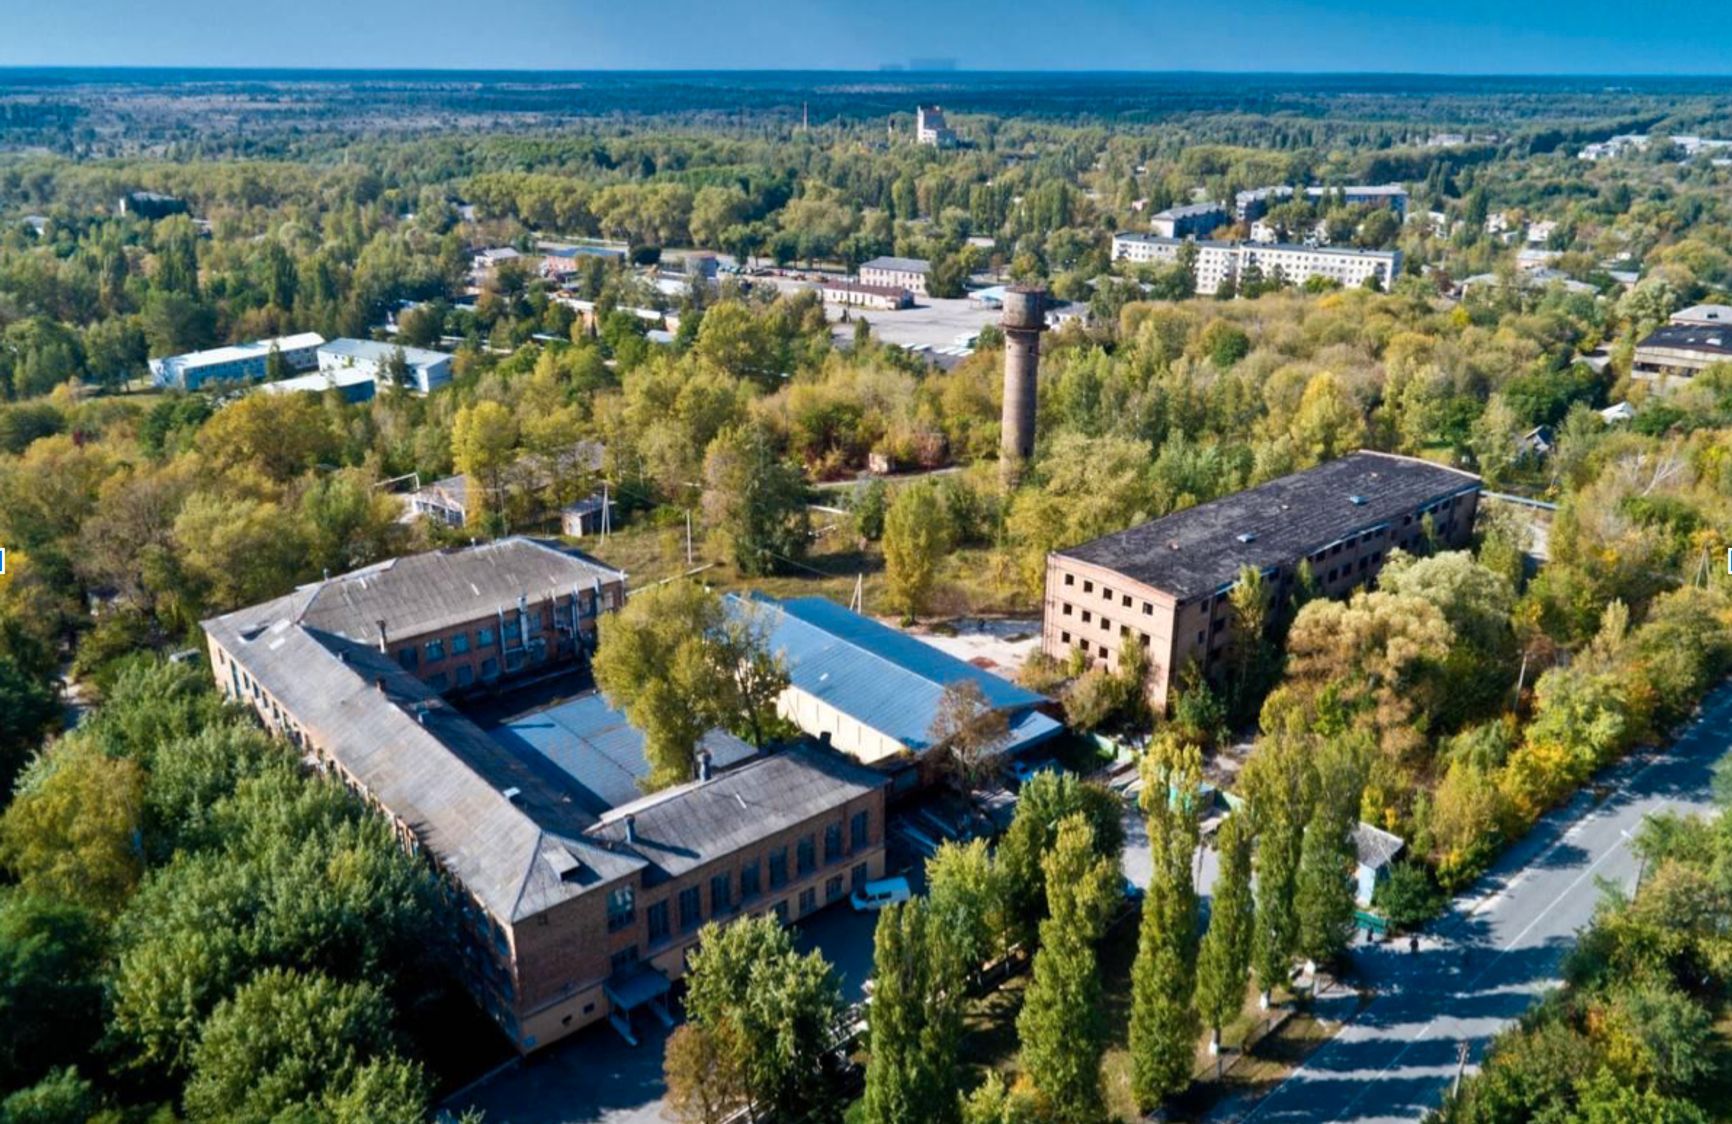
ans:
(934, 322)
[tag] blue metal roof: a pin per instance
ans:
(884, 678)
(597, 750)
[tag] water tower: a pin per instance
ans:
(1023, 321)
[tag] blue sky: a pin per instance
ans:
(1445, 36)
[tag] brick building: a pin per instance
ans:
(577, 895)
(1164, 584)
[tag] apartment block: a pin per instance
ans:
(1164, 584)
(1216, 264)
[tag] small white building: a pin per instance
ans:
(885, 298)
(930, 129)
(444, 501)
(428, 370)
(1375, 852)
(586, 517)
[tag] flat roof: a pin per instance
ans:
(239, 351)
(1710, 340)
(318, 382)
(1188, 210)
(1200, 550)
(375, 352)
(1256, 247)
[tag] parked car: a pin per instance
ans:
(877, 895)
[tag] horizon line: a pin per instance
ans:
(886, 70)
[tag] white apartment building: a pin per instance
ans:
(1218, 262)
(929, 127)
(241, 362)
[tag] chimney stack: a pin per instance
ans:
(631, 829)
(382, 636)
(703, 764)
(1023, 321)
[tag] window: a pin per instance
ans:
(860, 831)
(1065, 609)
(1070, 579)
(808, 900)
(807, 860)
(435, 650)
(1107, 593)
(1218, 625)
(408, 658)
(833, 843)
(657, 918)
(438, 682)
(1200, 636)
(465, 675)
(1106, 625)
(460, 643)
(749, 888)
(623, 959)
(1087, 616)
(621, 908)
(484, 638)
(778, 868)
(1064, 638)
(721, 899)
(691, 909)
(858, 876)
(781, 911)
(833, 889)
(1127, 601)
(1088, 587)
(490, 668)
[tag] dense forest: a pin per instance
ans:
(1456, 699)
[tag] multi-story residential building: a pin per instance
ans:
(577, 896)
(896, 273)
(1193, 221)
(241, 362)
(1680, 351)
(428, 370)
(1216, 264)
(929, 127)
(1164, 585)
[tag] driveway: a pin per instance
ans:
(594, 1077)
(1497, 949)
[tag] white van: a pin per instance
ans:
(877, 895)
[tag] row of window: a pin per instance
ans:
(659, 918)
(689, 901)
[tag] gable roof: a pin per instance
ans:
(1375, 847)
(422, 593)
(881, 677)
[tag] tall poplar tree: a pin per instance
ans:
(1224, 961)
(1060, 1026)
(915, 1020)
(1163, 1032)
(1279, 782)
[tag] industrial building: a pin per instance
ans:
(930, 129)
(872, 691)
(241, 362)
(1194, 221)
(577, 896)
(1217, 264)
(1164, 584)
(428, 370)
(897, 273)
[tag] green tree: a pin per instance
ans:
(288, 1043)
(1163, 1031)
(968, 732)
(50, 986)
(1224, 960)
(1060, 1026)
(1278, 783)
(71, 833)
(678, 665)
(705, 1069)
(755, 503)
(1046, 800)
(1324, 886)
(917, 537)
(914, 1024)
(483, 446)
(784, 1005)
(62, 1097)
(965, 895)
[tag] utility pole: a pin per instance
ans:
(688, 536)
(606, 512)
(857, 602)
(1460, 1066)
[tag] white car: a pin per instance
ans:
(877, 895)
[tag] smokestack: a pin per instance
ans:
(523, 620)
(631, 829)
(382, 636)
(703, 764)
(1023, 321)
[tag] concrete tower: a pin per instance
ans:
(1023, 321)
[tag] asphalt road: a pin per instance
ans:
(1498, 948)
